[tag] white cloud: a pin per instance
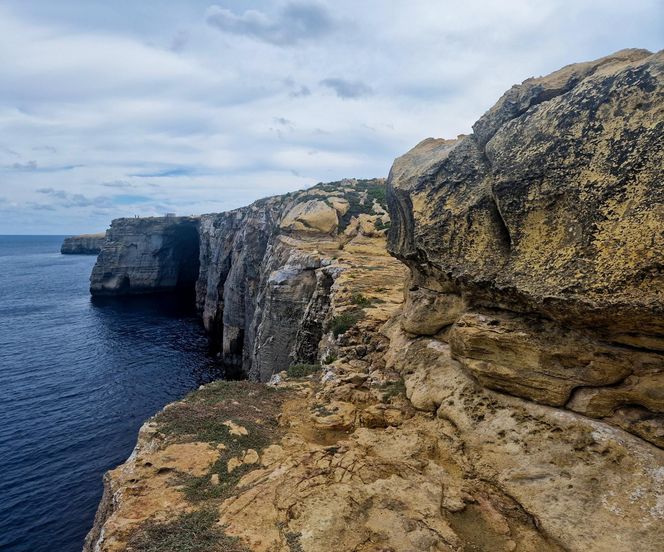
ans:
(200, 109)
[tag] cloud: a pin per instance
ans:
(214, 114)
(65, 199)
(69, 200)
(166, 173)
(117, 184)
(29, 166)
(294, 23)
(346, 89)
(179, 41)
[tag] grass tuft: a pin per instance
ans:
(345, 321)
(191, 532)
(360, 300)
(302, 370)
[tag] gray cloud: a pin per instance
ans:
(29, 166)
(179, 41)
(347, 89)
(48, 149)
(118, 184)
(295, 22)
(117, 95)
(296, 90)
(66, 199)
(283, 122)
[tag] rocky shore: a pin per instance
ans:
(84, 244)
(509, 396)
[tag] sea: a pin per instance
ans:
(78, 377)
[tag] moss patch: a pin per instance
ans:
(210, 415)
(360, 300)
(345, 321)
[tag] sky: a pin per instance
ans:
(125, 107)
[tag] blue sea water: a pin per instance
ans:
(77, 379)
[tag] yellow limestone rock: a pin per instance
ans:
(311, 216)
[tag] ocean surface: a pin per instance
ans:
(77, 379)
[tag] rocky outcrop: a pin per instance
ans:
(260, 273)
(147, 255)
(509, 398)
(265, 273)
(536, 246)
(84, 244)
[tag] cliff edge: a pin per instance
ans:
(260, 274)
(508, 397)
(84, 244)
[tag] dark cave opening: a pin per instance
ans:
(185, 249)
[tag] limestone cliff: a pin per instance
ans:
(536, 244)
(84, 244)
(147, 255)
(508, 398)
(261, 272)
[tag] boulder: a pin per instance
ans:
(547, 221)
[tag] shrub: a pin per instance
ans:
(342, 323)
(360, 300)
(393, 389)
(302, 370)
(330, 358)
(192, 532)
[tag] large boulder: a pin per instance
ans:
(547, 225)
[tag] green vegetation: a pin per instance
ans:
(345, 321)
(393, 389)
(360, 198)
(293, 541)
(330, 358)
(380, 225)
(302, 370)
(203, 416)
(192, 532)
(360, 300)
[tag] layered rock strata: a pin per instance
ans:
(392, 445)
(147, 255)
(536, 244)
(262, 272)
(84, 244)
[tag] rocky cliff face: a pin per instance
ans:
(85, 244)
(261, 273)
(510, 398)
(147, 255)
(536, 245)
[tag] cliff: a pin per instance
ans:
(508, 397)
(251, 269)
(147, 255)
(85, 244)
(535, 244)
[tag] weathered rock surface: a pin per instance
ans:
(394, 447)
(147, 255)
(510, 399)
(261, 272)
(539, 239)
(84, 244)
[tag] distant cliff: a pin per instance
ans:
(259, 273)
(85, 244)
